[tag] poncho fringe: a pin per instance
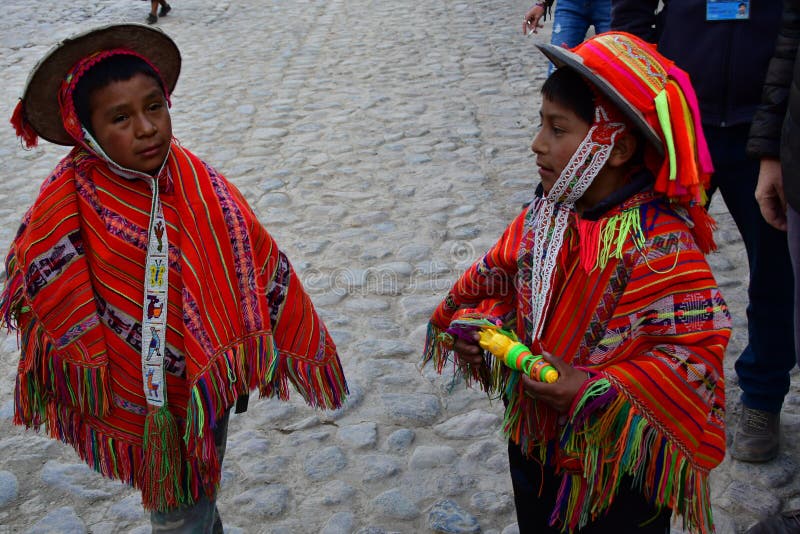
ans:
(607, 432)
(67, 385)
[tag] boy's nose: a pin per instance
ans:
(146, 127)
(536, 145)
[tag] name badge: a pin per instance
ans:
(727, 9)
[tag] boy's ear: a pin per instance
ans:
(624, 149)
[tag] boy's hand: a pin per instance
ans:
(559, 394)
(769, 193)
(531, 22)
(469, 352)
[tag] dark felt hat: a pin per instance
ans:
(564, 57)
(40, 99)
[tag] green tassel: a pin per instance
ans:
(160, 471)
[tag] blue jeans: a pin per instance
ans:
(764, 365)
(793, 234)
(202, 517)
(572, 19)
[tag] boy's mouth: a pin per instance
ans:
(150, 151)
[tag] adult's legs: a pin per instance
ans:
(152, 17)
(793, 236)
(203, 516)
(764, 365)
(570, 22)
(600, 11)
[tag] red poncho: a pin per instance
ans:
(238, 318)
(634, 303)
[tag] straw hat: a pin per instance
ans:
(40, 100)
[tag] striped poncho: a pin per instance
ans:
(238, 319)
(635, 304)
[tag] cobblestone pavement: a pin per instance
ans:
(385, 146)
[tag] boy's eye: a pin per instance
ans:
(118, 118)
(156, 106)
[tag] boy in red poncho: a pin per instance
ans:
(148, 298)
(604, 274)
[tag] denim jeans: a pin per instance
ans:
(793, 234)
(202, 517)
(572, 19)
(764, 365)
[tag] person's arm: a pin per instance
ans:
(635, 16)
(532, 21)
(765, 131)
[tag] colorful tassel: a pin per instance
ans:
(22, 127)
(160, 471)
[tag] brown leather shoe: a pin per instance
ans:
(756, 438)
(785, 523)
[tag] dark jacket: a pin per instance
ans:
(776, 126)
(726, 60)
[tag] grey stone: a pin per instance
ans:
(7, 410)
(366, 305)
(324, 463)
(773, 474)
(430, 456)
(268, 501)
(336, 492)
(414, 252)
(473, 424)
(400, 440)
(62, 520)
(385, 348)
(490, 502)
(77, 479)
(375, 467)
(447, 517)
(419, 307)
(741, 495)
(360, 436)
(339, 523)
(453, 484)
(9, 487)
(266, 134)
(395, 505)
(129, 508)
(411, 409)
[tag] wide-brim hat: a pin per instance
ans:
(658, 98)
(561, 57)
(40, 99)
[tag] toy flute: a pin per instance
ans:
(504, 345)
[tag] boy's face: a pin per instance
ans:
(131, 122)
(559, 136)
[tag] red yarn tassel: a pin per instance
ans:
(703, 230)
(23, 128)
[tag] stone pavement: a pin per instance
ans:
(385, 146)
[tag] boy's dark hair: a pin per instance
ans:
(568, 88)
(571, 90)
(117, 68)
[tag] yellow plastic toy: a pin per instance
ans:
(516, 355)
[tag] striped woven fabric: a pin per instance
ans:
(647, 322)
(238, 317)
